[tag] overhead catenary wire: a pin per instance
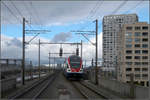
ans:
(134, 7)
(29, 12)
(119, 7)
(36, 13)
(17, 19)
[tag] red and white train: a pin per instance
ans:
(73, 67)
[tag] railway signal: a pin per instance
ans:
(77, 51)
(61, 52)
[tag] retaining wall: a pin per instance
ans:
(123, 89)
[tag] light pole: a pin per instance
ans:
(96, 55)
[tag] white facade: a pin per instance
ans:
(111, 27)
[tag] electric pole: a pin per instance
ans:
(39, 59)
(81, 49)
(23, 53)
(31, 74)
(49, 61)
(96, 55)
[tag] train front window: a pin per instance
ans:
(75, 64)
(75, 61)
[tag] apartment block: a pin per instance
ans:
(135, 53)
(111, 26)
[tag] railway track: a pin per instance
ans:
(87, 92)
(35, 90)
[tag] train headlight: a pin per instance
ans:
(68, 70)
(81, 70)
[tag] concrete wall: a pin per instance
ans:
(124, 88)
(8, 84)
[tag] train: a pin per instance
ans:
(73, 68)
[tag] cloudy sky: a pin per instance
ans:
(61, 18)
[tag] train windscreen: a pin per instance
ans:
(75, 61)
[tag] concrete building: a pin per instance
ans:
(111, 27)
(135, 53)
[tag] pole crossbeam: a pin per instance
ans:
(83, 31)
(60, 43)
(63, 53)
(36, 31)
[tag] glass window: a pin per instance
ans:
(129, 28)
(128, 34)
(144, 75)
(145, 33)
(145, 27)
(128, 69)
(128, 51)
(145, 51)
(128, 40)
(137, 51)
(137, 75)
(144, 69)
(137, 45)
(128, 57)
(137, 57)
(129, 63)
(137, 40)
(127, 75)
(137, 63)
(137, 27)
(137, 69)
(144, 57)
(145, 45)
(128, 45)
(144, 63)
(137, 34)
(145, 40)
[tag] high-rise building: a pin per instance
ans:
(111, 27)
(135, 53)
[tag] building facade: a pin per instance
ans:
(111, 26)
(135, 53)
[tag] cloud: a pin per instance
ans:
(62, 12)
(15, 51)
(15, 42)
(62, 37)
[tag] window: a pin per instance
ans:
(129, 28)
(137, 27)
(144, 51)
(144, 75)
(144, 69)
(128, 69)
(145, 40)
(128, 45)
(128, 34)
(137, 69)
(145, 27)
(144, 57)
(137, 51)
(137, 40)
(145, 33)
(137, 75)
(128, 40)
(128, 51)
(127, 75)
(144, 63)
(145, 45)
(129, 63)
(137, 63)
(137, 57)
(137, 45)
(137, 34)
(128, 57)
